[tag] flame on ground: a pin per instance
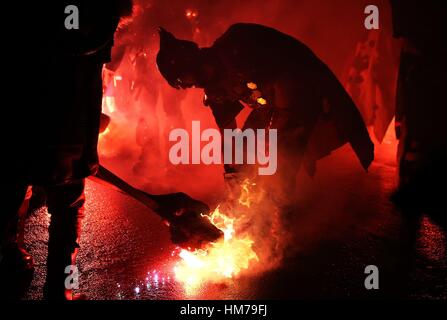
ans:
(222, 260)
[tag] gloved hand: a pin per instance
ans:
(173, 205)
(186, 219)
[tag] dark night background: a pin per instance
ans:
(344, 220)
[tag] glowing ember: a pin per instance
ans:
(261, 101)
(245, 198)
(191, 14)
(252, 86)
(222, 260)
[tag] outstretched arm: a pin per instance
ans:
(183, 214)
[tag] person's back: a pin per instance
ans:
(297, 78)
(264, 51)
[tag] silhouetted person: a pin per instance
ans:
(62, 127)
(421, 109)
(285, 84)
(372, 77)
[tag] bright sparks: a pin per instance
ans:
(222, 260)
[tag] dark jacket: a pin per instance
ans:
(293, 81)
(62, 92)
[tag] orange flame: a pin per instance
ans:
(222, 260)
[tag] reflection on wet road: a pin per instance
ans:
(343, 223)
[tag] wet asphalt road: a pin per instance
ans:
(344, 222)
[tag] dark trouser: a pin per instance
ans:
(66, 205)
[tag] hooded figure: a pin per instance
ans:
(288, 87)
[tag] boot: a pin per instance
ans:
(58, 285)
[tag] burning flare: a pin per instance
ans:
(225, 259)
